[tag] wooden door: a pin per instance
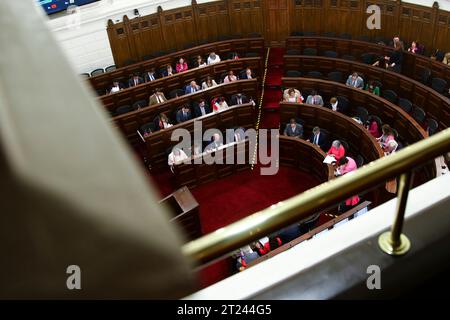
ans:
(276, 16)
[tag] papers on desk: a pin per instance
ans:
(329, 159)
(264, 240)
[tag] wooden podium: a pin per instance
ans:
(184, 208)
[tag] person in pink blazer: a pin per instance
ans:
(181, 65)
(346, 166)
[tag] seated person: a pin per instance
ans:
(337, 150)
(248, 74)
(150, 75)
(355, 81)
(192, 88)
(391, 148)
(135, 81)
(176, 157)
(116, 87)
(201, 109)
(334, 102)
(157, 97)
(290, 233)
(381, 62)
(216, 142)
(209, 83)
(245, 256)
(446, 59)
(293, 129)
(230, 77)
(372, 126)
(395, 60)
(199, 62)
(181, 65)
(387, 135)
(272, 244)
(147, 132)
(318, 138)
(213, 58)
(161, 122)
(314, 99)
(219, 104)
(293, 95)
(238, 99)
(169, 71)
(184, 114)
(372, 88)
(414, 48)
(346, 165)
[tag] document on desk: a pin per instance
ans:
(329, 160)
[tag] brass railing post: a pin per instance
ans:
(394, 242)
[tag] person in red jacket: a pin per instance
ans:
(273, 243)
(337, 150)
(181, 65)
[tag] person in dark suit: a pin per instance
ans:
(135, 81)
(150, 75)
(318, 138)
(238, 99)
(192, 88)
(248, 74)
(290, 233)
(184, 114)
(395, 60)
(168, 71)
(202, 108)
(293, 129)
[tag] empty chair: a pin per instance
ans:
(425, 75)
(348, 57)
(390, 95)
(418, 114)
(432, 126)
(368, 58)
(147, 128)
(329, 34)
(439, 85)
(176, 93)
(101, 92)
(188, 45)
(310, 52)
(110, 68)
(223, 38)
(159, 53)
(309, 33)
(97, 72)
(380, 39)
(293, 52)
(346, 146)
(296, 34)
(362, 114)
(405, 104)
(440, 55)
(395, 133)
(140, 104)
(364, 38)
(330, 54)
(171, 51)
(85, 75)
(314, 74)
(128, 62)
(345, 36)
(202, 42)
(359, 161)
(123, 109)
(377, 83)
(293, 74)
(342, 103)
(254, 35)
(148, 57)
(336, 76)
(252, 55)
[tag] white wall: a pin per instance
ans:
(88, 46)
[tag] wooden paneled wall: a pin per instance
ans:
(178, 28)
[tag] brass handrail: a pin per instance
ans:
(223, 241)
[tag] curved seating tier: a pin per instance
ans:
(407, 127)
(306, 157)
(178, 81)
(130, 122)
(435, 105)
(159, 142)
(339, 126)
(104, 80)
(413, 64)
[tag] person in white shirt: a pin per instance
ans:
(176, 157)
(209, 83)
(220, 104)
(334, 104)
(230, 77)
(115, 87)
(200, 62)
(213, 58)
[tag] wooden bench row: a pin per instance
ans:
(130, 122)
(256, 45)
(178, 81)
(435, 105)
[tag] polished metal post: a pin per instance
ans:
(394, 242)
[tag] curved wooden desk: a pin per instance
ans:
(178, 81)
(159, 142)
(338, 125)
(413, 64)
(130, 122)
(435, 105)
(407, 127)
(221, 48)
